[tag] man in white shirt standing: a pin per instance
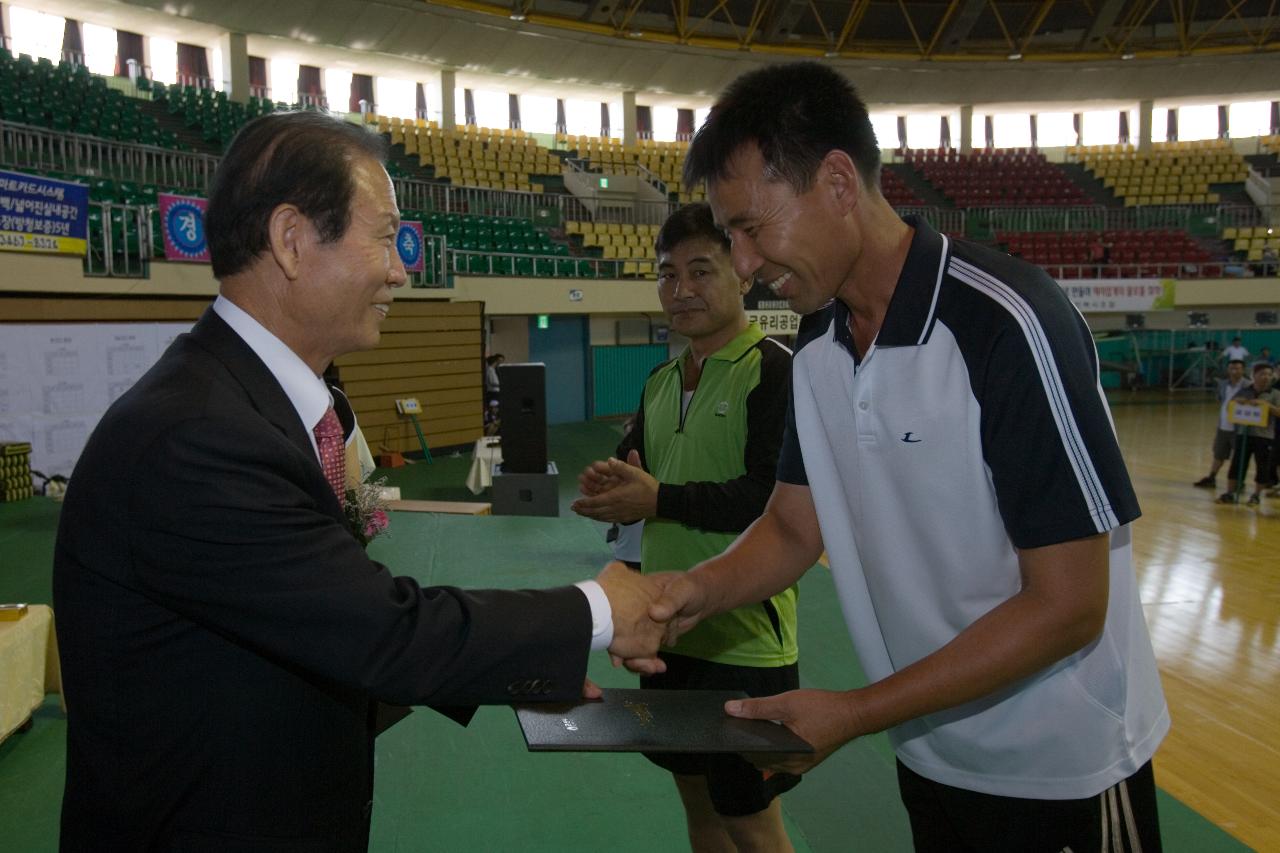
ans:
(1235, 352)
(949, 447)
(1225, 435)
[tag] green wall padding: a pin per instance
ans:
(618, 374)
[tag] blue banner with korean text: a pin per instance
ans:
(43, 214)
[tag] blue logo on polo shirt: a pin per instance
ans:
(906, 436)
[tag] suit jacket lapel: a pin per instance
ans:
(264, 394)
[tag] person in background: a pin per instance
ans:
(1006, 651)
(491, 384)
(492, 418)
(1235, 352)
(1224, 436)
(224, 636)
(699, 467)
(1255, 441)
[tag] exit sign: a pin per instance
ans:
(604, 183)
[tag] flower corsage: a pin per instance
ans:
(366, 510)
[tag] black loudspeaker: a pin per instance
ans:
(1264, 318)
(1135, 321)
(522, 406)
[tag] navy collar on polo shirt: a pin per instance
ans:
(915, 297)
(909, 319)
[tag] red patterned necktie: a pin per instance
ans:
(333, 454)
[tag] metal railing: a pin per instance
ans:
(1099, 218)
(1181, 270)
(120, 246)
(25, 146)
(652, 179)
(197, 82)
(519, 265)
(436, 274)
(943, 219)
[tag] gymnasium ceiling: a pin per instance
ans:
(932, 30)
(683, 52)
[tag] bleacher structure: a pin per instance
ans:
(661, 160)
(212, 114)
(632, 243)
(996, 178)
(500, 159)
(1254, 242)
(897, 191)
(1170, 173)
(1138, 253)
(483, 193)
(68, 98)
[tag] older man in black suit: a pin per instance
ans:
(224, 636)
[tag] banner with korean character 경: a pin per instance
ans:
(409, 242)
(43, 214)
(182, 221)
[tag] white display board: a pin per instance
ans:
(57, 380)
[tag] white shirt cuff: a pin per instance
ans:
(601, 614)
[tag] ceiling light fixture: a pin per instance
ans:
(1127, 56)
(1014, 57)
(517, 16)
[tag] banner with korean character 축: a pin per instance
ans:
(43, 215)
(409, 242)
(182, 220)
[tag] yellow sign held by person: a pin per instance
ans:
(1247, 413)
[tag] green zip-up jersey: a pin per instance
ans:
(716, 465)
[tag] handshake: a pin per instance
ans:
(648, 611)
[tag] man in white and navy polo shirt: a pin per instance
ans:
(949, 445)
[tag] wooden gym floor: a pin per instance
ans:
(1209, 576)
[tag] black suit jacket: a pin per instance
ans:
(223, 635)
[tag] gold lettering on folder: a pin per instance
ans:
(642, 712)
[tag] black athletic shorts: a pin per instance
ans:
(737, 786)
(945, 819)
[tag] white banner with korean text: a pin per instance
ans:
(1131, 294)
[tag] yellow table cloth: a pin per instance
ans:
(29, 666)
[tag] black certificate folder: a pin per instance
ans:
(652, 721)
